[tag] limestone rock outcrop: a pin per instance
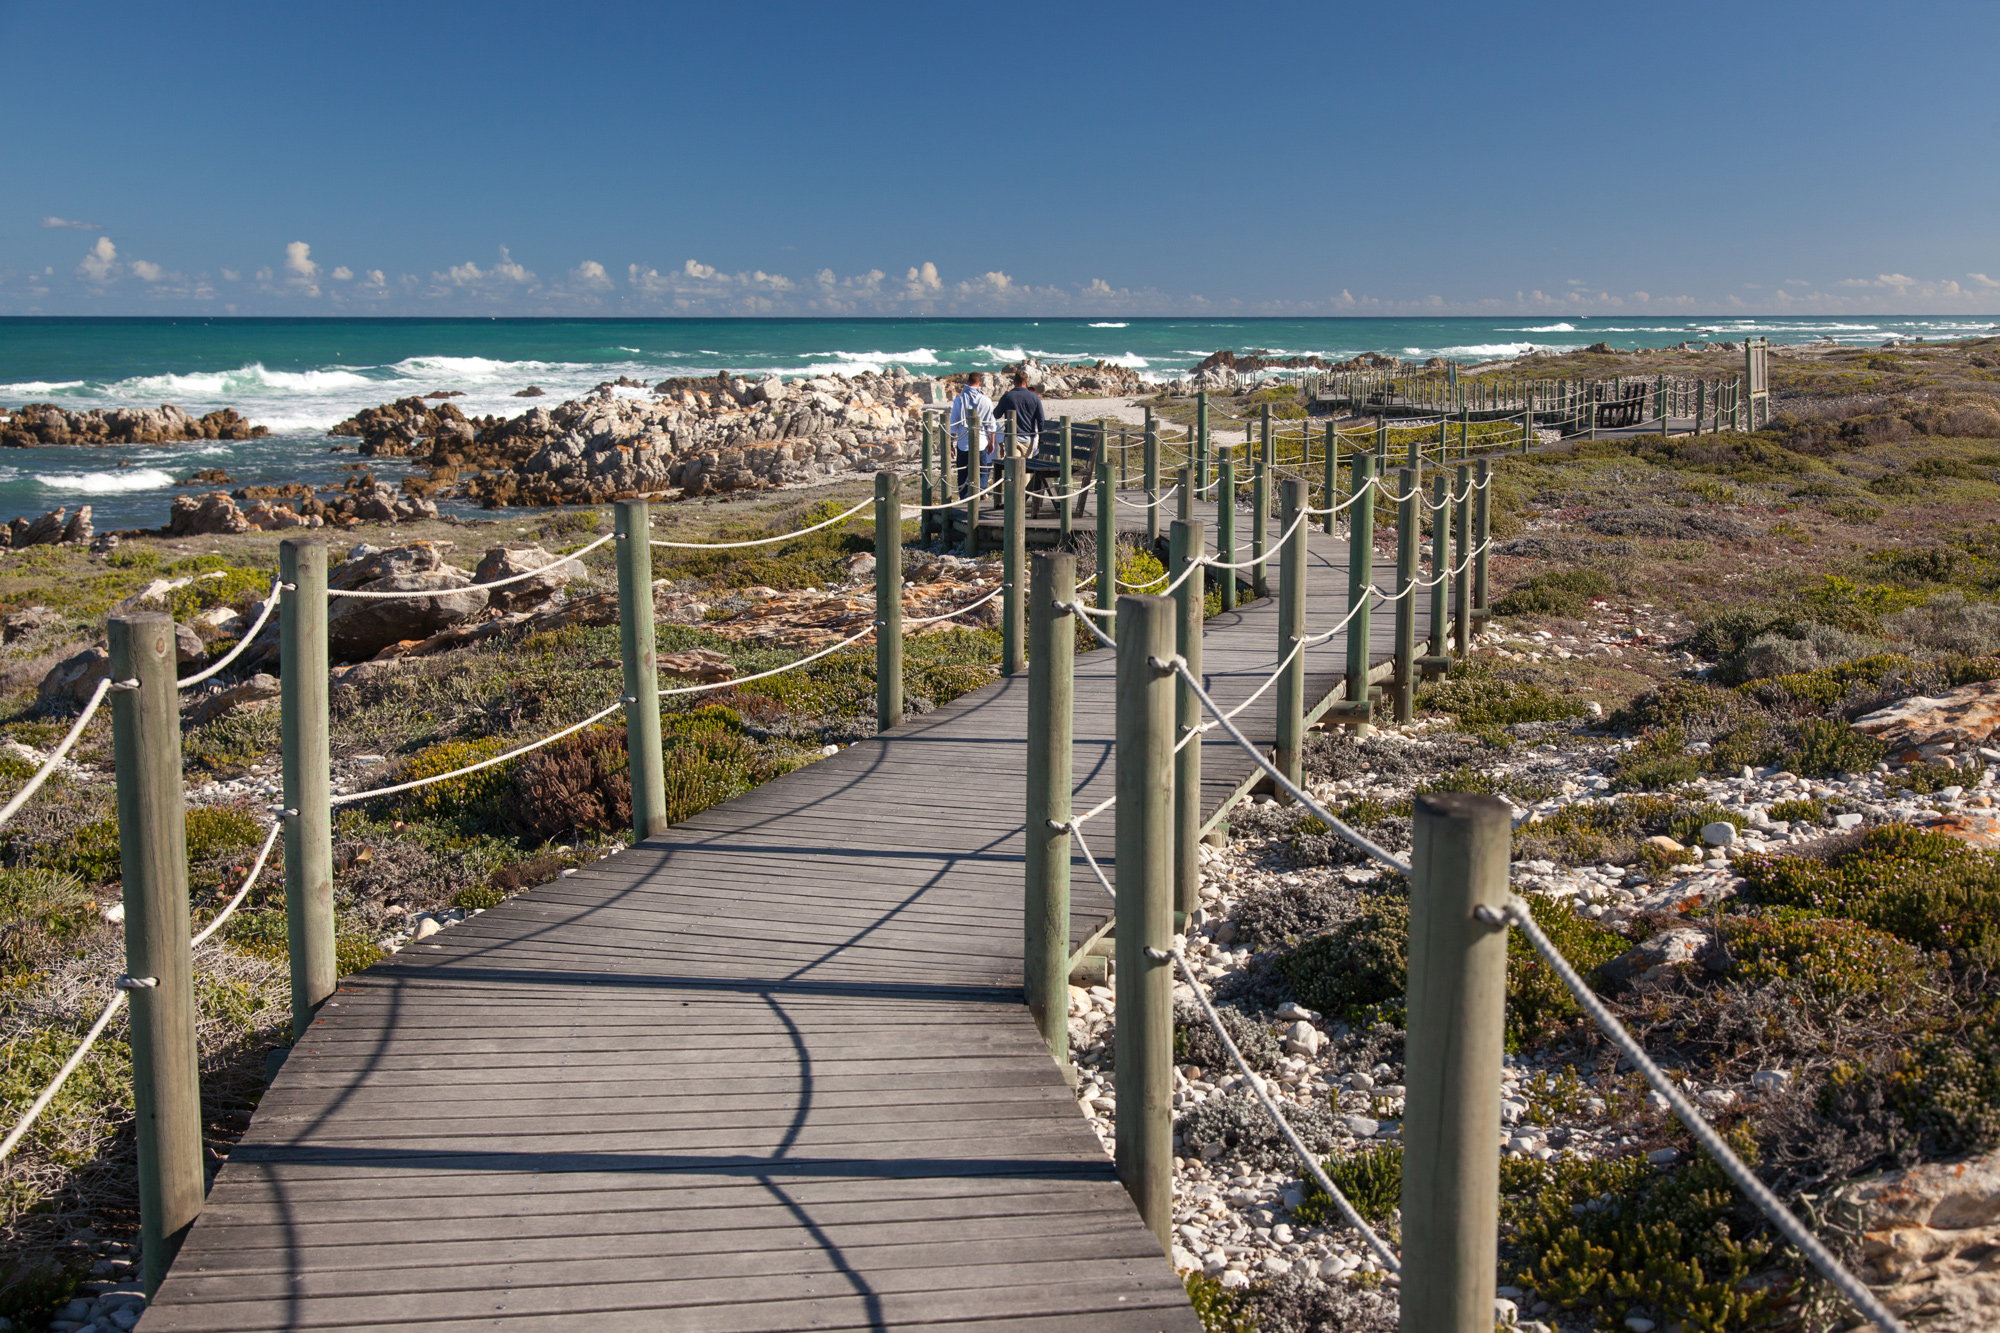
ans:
(47, 424)
(1928, 727)
(1930, 1235)
(359, 627)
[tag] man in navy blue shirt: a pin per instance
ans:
(1021, 403)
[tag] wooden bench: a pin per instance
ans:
(1045, 480)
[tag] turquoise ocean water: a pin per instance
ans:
(300, 376)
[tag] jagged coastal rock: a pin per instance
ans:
(55, 528)
(46, 424)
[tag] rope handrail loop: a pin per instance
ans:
(1516, 914)
(1366, 486)
(122, 987)
(1298, 646)
(415, 594)
(55, 758)
(1074, 608)
(827, 651)
(1371, 595)
(1161, 498)
(350, 798)
(243, 642)
(761, 541)
(998, 482)
(1256, 1086)
(249, 882)
(1277, 775)
(1084, 847)
(1091, 813)
(969, 606)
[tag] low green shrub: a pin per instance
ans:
(1215, 1305)
(1924, 887)
(1947, 1087)
(1695, 706)
(1371, 1179)
(1357, 965)
(1838, 961)
(1539, 1006)
(474, 795)
(1804, 810)
(1556, 592)
(1610, 1233)
(1828, 748)
(1658, 762)
(41, 911)
(1476, 698)
(1195, 1042)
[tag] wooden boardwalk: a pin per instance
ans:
(769, 1070)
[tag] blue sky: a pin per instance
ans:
(411, 158)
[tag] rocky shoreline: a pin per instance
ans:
(39, 424)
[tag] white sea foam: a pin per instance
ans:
(107, 483)
(1485, 350)
(1002, 353)
(27, 388)
(1129, 361)
(1099, 326)
(249, 381)
(1543, 328)
(483, 368)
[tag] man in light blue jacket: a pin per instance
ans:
(972, 411)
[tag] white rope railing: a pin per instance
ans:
(760, 541)
(950, 615)
(1361, 603)
(242, 642)
(369, 795)
(1085, 621)
(1179, 666)
(124, 986)
(1516, 914)
(1256, 1086)
(414, 594)
(1161, 498)
(998, 482)
(827, 651)
(63, 747)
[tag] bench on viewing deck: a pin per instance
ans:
(1627, 411)
(1045, 479)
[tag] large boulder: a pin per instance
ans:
(1929, 1235)
(551, 572)
(358, 628)
(214, 514)
(71, 680)
(1925, 727)
(43, 531)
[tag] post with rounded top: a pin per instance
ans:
(1201, 441)
(1107, 535)
(642, 670)
(1185, 545)
(1360, 581)
(1461, 579)
(1045, 922)
(1440, 506)
(1145, 786)
(1332, 482)
(1013, 551)
(307, 758)
(1407, 507)
(1066, 482)
(152, 849)
(1291, 688)
(1260, 523)
(889, 603)
(1482, 514)
(1225, 530)
(1456, 1006)
(1152, 482)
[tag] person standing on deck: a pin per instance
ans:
(972, 411)
(1025, 406)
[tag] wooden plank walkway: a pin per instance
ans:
(767, 1071)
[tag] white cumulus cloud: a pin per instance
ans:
(298, 260)
(147, 270)
(343, 274)
(590, 276)
(54, 223)
(99, 262)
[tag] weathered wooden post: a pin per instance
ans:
(1066, 507)
(1260, 505)
(1107, 537)
(1700, 404)
(1145, 784)
(1332, 482)
(640, 652)
(1461, 583)
(1201, 443)
(1013, 556)
(928, 520)
(1409, 504)
(1360, 582)
(307, 758)
(889, 605)
(1528, 420)
(1291, 687)
(1051, 658)
(974, 482)
(1440, 641)
(1225, 530)
(1465, 432)
(1184, 503)
(1152, 480)
(159, 964)
(1124, 454)
(1184, 546)
(1456, 1001)
(1481, 527)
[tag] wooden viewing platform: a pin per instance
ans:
(768, 1070)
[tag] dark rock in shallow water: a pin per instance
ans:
(47, 424)
(532, 391)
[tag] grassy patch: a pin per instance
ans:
(1556, 592)
(1927, 888)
